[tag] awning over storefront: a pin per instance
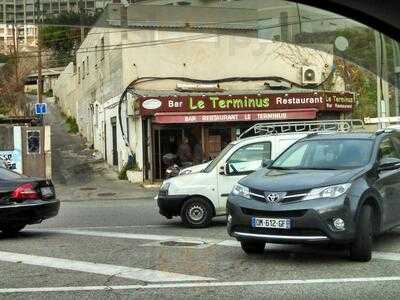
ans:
(235, 116)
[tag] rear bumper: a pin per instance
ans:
(28, 212)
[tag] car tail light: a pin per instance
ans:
(25, 192)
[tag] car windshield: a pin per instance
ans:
(332, 154)
(110, 102)
(216, 160)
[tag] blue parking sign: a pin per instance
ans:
(40, 108)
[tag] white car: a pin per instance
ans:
(200, 192)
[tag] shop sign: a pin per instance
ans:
(173, 118)
(151, 104)
(322, 101)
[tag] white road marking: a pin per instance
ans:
(111, 227)
(201, 285)
(134, 236)
(146, 275)
(386, 255)
(218, 242)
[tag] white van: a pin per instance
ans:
(201, 192)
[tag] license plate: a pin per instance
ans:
(270, 223)
(47, 192)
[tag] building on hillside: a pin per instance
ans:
(133, 91)
(24, 14)
(50, 76)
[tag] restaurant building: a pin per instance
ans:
(206, 79)
(214, 120)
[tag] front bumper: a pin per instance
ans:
(28, 212)
(170, 205)
(311, 221)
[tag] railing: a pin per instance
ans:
(304, 126)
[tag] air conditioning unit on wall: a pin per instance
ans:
(310, 75)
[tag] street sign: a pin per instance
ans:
(40, 108)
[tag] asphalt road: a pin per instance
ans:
(116, 249)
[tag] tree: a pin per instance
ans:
(356, 65)
(13, 101)
(61, 35)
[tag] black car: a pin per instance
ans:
(339, 188)
(24, 200)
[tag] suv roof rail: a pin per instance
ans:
(304, 126)
(387, 130)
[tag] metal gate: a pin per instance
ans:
(35, 152)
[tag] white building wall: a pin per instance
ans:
(65, 90)
(132, 54)
(110, 110)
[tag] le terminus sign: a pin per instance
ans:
(181, 104)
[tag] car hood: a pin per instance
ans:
(291, 180)
(194, 169)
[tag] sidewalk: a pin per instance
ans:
(104, 185)
(78, 172)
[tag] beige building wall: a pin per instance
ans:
(66, 90)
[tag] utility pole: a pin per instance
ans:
(81, 11)
(15, 51)
(39, 61)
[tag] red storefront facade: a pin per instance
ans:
(213, 120)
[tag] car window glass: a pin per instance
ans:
(387, 150)
(249, 157)
(396, 142)
(216, 160)
(296, 157)
(329, 154)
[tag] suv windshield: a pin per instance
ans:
(326, 154)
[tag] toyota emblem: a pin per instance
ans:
(274, 197)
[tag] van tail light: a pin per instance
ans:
(25, 192)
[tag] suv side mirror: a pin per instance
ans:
(266, 163)
(389, 163)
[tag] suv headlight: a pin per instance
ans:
(241, 190)
(332, 191)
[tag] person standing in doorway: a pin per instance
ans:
(197, 153)
(185, 152)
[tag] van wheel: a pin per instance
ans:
(197, 213)
(253, 247)
(361, 248)
(12, 230)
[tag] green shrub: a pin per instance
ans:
(72, 125)
(131, 165)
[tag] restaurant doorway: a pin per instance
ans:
(205, 142)
(166, 141)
